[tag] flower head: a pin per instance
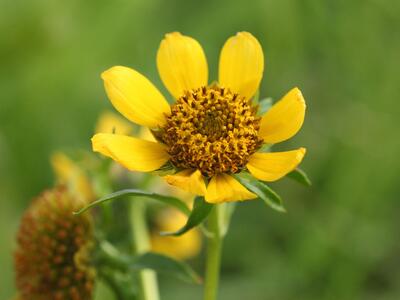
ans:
(51, 260)
(211, 131)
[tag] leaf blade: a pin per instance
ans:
(201, 209)
(169, 200)
(164, 264)
(264, 192)
(300, 176)
(110, 257)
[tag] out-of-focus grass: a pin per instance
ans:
(339, 239)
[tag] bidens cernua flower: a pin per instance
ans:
(211, 131)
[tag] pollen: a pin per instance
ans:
(213, 130)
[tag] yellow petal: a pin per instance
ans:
(134, 96)
(284, 119)
(181, 63)
(109, 122)
(225, 188)
(241, 64)
(188, 180)
(134, 154)
(273, 166)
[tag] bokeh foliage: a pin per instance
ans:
(339, 239)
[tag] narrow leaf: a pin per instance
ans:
(111, 257)
(264, 105)
(300, 176)
(172, 201)
(164, 264)
(201, 210)
(264, 192)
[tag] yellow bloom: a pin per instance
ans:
(211, 131)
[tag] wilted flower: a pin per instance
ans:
(212, 131)
(53, 246)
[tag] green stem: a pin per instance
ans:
(214, 248)
(147, 278)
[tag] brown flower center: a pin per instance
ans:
(213, 130)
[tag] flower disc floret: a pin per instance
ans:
(213, 130)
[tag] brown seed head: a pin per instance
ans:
(49, 262)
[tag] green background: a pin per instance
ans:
(339, 239)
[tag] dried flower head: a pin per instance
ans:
(52, 256)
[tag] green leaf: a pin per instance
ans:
(300, 176)
(109, 256)
(169, 200)
(201, 210)
(264, 105)
(167, 169)
(121, 284)
(164, 264)
(264, 192)
(228, 209)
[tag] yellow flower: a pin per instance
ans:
(211, 131)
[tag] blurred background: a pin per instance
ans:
(339, 239)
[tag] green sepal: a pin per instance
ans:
(201, 210)
(265, 148)
(256, 97)
(228, 210)
(169, 200)
(167, 169)
(263, 191)
(264, 105)
(300, 176)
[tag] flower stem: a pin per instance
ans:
(214, 248)
(147, 278)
